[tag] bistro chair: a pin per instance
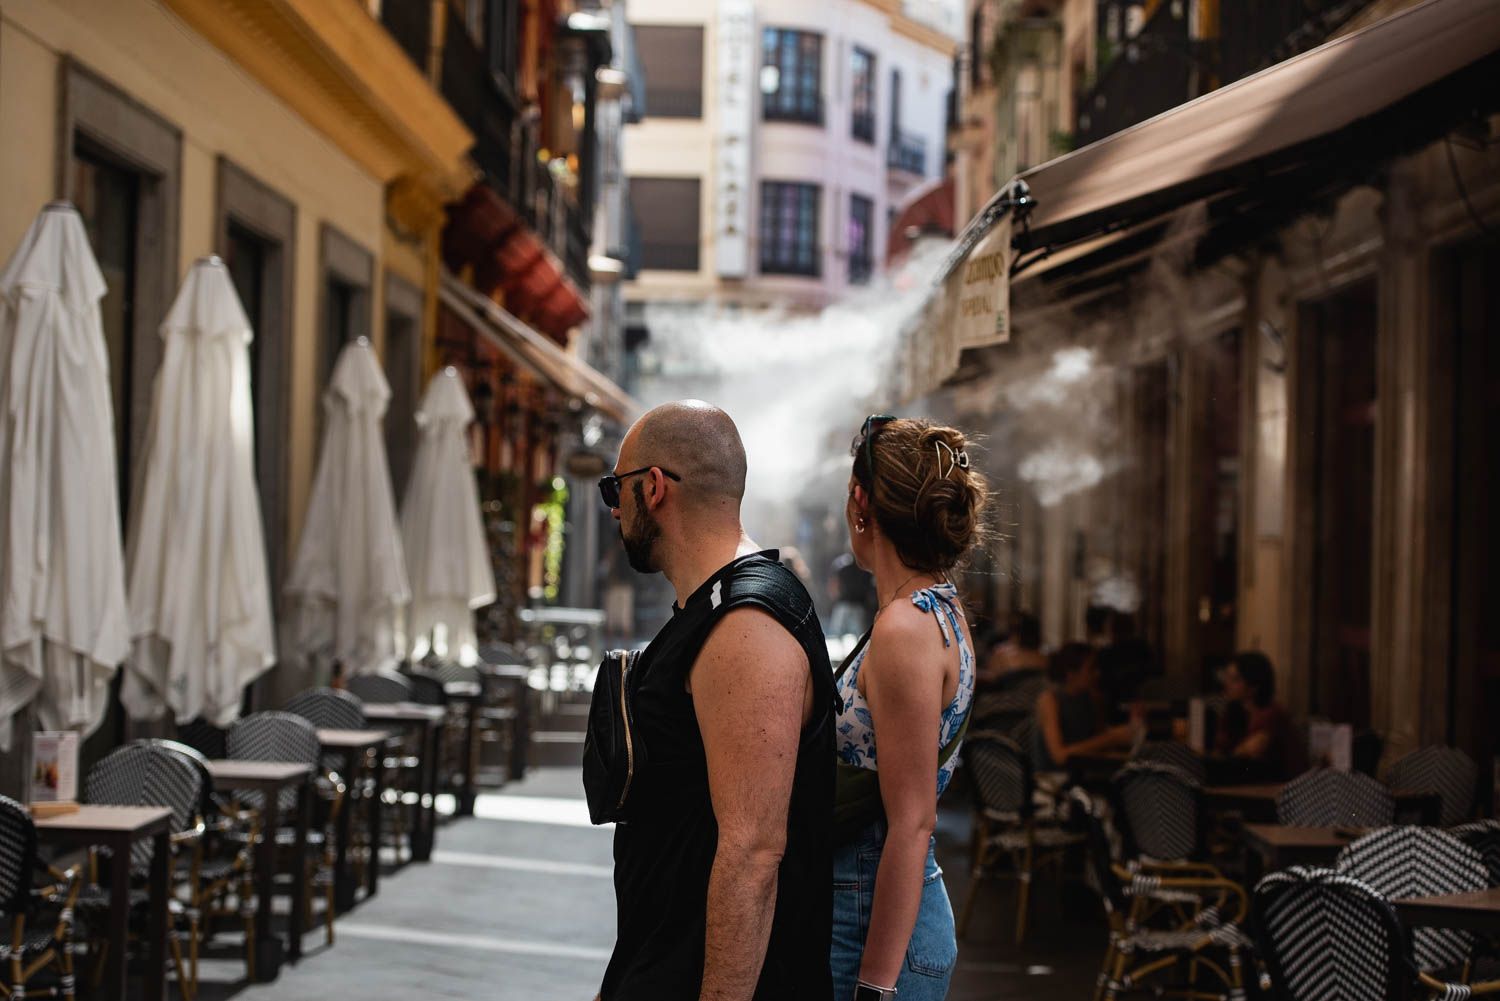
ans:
(381, 687)
(1179, 756)
(1484, 837)
(48, 943)
(1327, 935)
(1006, 821)
(1011, 700)
(1419, 862)
(205, 738)
(1161, 810)
(280, 736)
(328, 708)
(1327, 798)
(1208, 938)
(220, 866)
(1445, 771)
(143, 774)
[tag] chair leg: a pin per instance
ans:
(1023, 897)
(183, 986)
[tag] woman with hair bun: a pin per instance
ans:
(914, 508)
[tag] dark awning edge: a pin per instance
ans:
(1351, 87)
(537, 354)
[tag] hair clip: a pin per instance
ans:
(956, 460)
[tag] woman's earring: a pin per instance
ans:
(859, 526)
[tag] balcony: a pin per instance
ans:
(907, 153)
(1152, 73)
(1253, 36)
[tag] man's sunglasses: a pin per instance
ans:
(609, 486)
(867, 443)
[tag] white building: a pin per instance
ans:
(778, 140)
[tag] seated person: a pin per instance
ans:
(1068, 713)
(1021, 652)
(1256, 728)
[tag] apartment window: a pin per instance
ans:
(671, 57)
(257, 237)
(403, 371)
(667, 217)
(863, 66)
(119, 165)
(791, 76)
(895, 105)
(789, 228)
(861, 239)
(348, 270)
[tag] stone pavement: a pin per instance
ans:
(516, 905)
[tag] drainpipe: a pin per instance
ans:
(437, 34)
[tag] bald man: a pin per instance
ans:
(723, 867)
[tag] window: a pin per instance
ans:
(504, 30)
(120, 166)
(861, 239)
(863, 127)
(257, 237)
(403, 371)
(791, 76)
(895, 105)
(348, 270)
(671, 57)
(666, 213)
(789, 228)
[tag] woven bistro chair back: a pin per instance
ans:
(1000, 774)
(1327, 798)
(145, 774)
(328, 708)
(1160, 811)
(382, 686)
(17, 853)
(1179, 756)
(274, 736)
(1419, 862)
(1484, 837)
(1446, 771)
(1326, 936)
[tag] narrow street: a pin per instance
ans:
(516, 905)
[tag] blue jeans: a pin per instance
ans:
(933, 949)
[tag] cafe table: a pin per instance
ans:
(518, 678)
(269, 778)
(1476, 911)
(1257, 801)
(118, 828)
(1278, 846)
(356, 746)
(427, 721)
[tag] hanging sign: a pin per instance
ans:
(734, 106)
(980, 290)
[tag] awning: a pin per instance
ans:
(1391, 87)
(538, 354)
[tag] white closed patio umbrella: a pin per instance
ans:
(63, 626)
(447, 559)
(348, 582)
(200, 601)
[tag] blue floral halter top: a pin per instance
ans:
(856, 730)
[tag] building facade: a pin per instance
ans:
(1261, 427)
(779, 139)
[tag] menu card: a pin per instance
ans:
(54, 766)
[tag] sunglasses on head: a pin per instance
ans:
(609, 486)
(867, 444)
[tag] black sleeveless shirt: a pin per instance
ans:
(664, 851)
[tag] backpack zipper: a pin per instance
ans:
(629, 740)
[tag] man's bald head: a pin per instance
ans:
(695, 440)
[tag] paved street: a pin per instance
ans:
(516, 906)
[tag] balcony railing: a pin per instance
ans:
(1253, 36)
(1152, 73)
(862, 126)
(908, 153)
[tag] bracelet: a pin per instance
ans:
(864, 991)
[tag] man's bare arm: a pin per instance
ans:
(752, 691)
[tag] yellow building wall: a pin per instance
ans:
(151, 55)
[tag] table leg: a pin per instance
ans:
(372, 874)
(425, 820)
(520, 729)
(119, 922)
(343, 880)
(299, 870)
(467, 791)
(267, 946)
(156, 952)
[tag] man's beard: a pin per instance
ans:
(640, 541)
